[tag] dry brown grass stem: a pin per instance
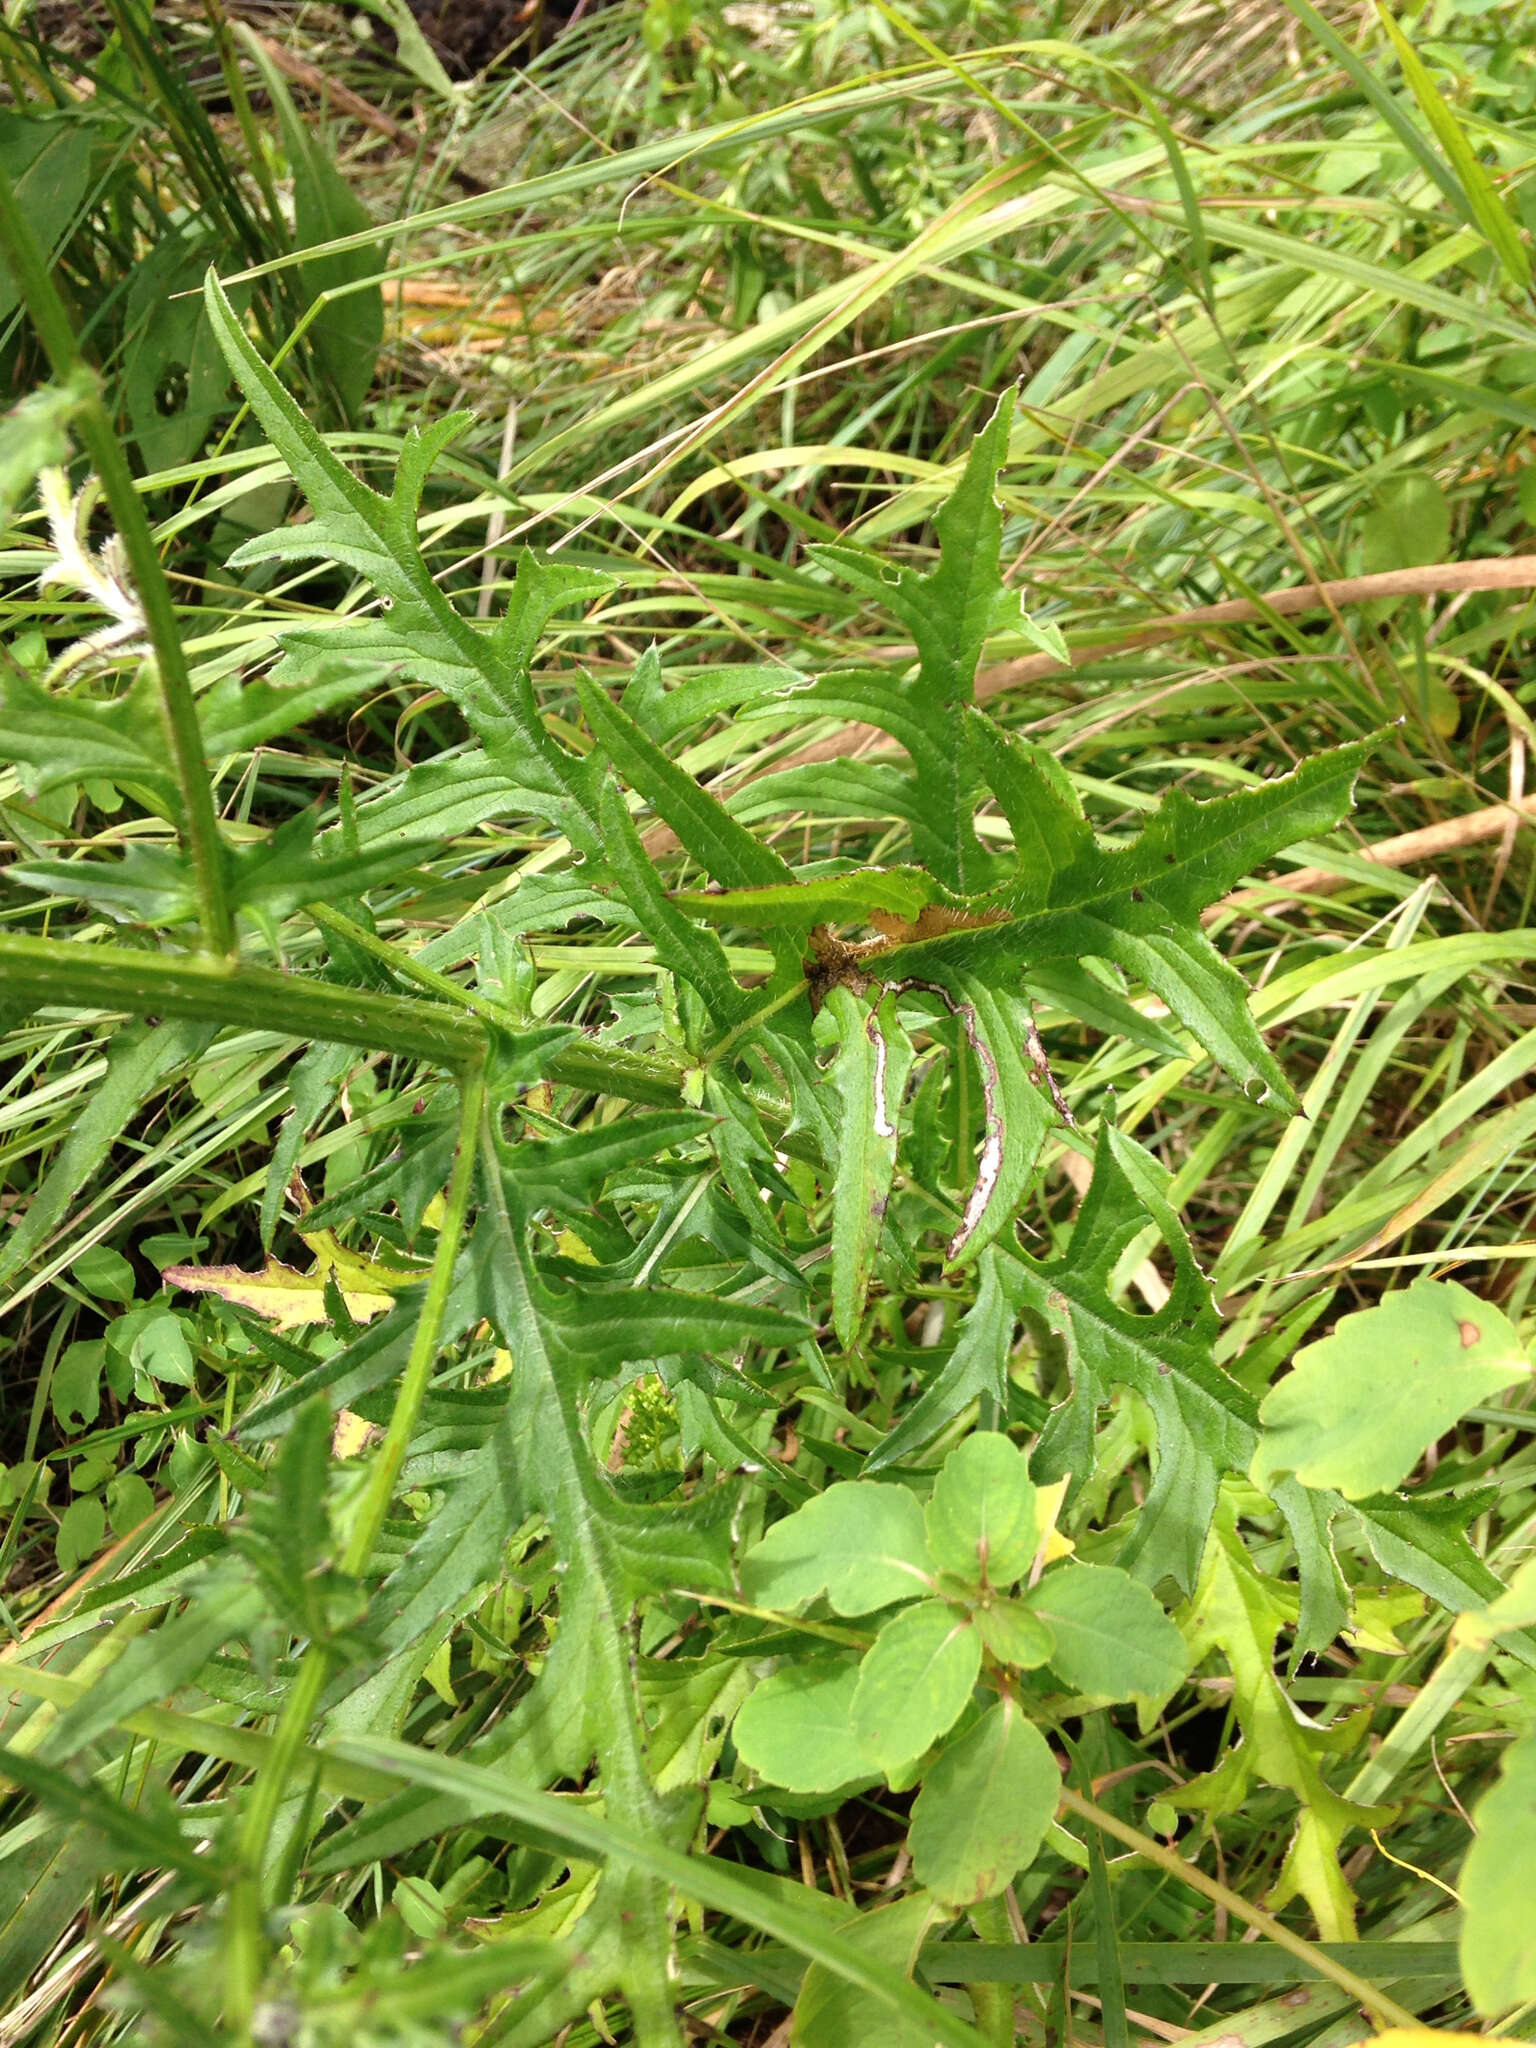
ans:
(344, 100)
(1403, 851)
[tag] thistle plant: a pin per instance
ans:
(840, 1111)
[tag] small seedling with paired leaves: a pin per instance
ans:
(955, 1628)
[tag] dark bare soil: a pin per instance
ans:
(469, 35)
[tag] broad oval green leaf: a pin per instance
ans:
(1498, 1882)
(984, 1808)
(914, 1683)
(1360, 1408)
(796, 1729)
(861, 1544)
(981, 1519)
(49, 165)
(1113, 1640)
(1012, 1634)
(1408, 526)
(105, 1273)
(81, 1532)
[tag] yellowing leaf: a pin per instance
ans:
(351, 1435)
(1515, 1608)
(1376, 1617)
(438, 1672)
(1050, 1543)
(1238, 1610)
(289, 1299)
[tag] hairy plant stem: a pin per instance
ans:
(246, 1944)
(1376, 2002)
(105, 977)
(65, 973)
(199, 823)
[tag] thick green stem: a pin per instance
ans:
(93, 422)
(72, 975)
(66, 974)
(1375, 2001)
(245, 1950)
(992, 2003)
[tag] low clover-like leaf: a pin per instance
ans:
(914, 1684)
(1112, 1640)
(1360, 1408)
(984, 1808)
(796, 1729)
(981, 1518)
(1207, 1423)
(860, 1543)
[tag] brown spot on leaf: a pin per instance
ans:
(932, 921)
(1470, 1335)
